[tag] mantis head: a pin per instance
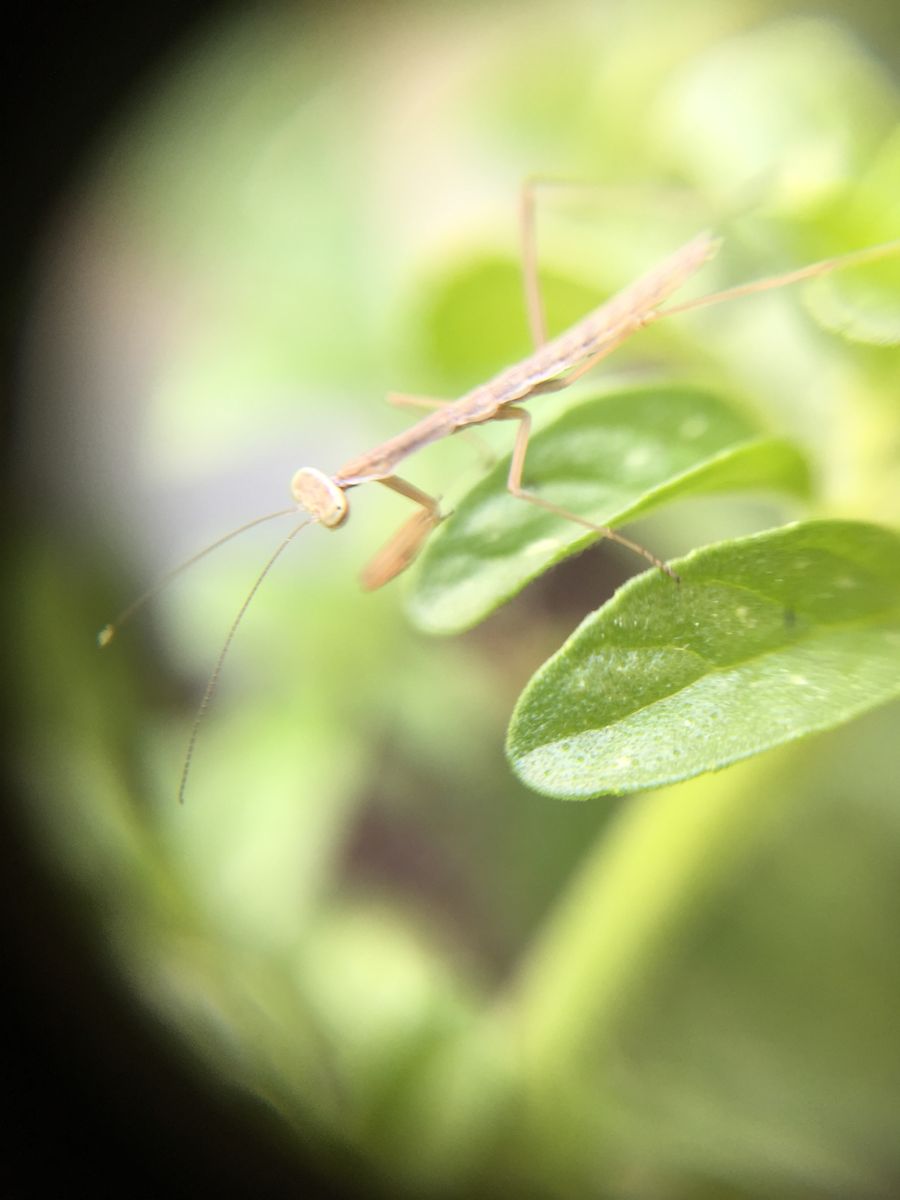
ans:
(322, 498)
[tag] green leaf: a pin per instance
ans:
(809, 104)
(476, 322)
(766, 639)
(610, 459)
(862, 304)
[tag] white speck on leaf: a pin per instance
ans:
(693, 427)
(638, 457)
(542, 545)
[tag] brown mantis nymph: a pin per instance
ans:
(554, 364)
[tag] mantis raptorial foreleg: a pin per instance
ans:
(401, 549)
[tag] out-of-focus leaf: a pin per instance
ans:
(811, 107)
(765, 639)
(476, 323)
(609, 460)
(864, 303)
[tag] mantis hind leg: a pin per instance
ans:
(616, 197)
(534, 305)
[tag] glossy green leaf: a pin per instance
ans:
(610, 459)
(766, 639)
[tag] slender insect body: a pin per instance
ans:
(481, 403)
(379, 463)
(629, 309)
(597, 333)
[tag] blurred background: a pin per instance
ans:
(361, 958)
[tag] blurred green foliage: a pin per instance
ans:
(359, 915)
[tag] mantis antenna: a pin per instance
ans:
(108, 632)
(213, 680)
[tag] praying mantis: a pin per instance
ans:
(554, 364)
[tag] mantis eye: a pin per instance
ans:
(320, 496)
